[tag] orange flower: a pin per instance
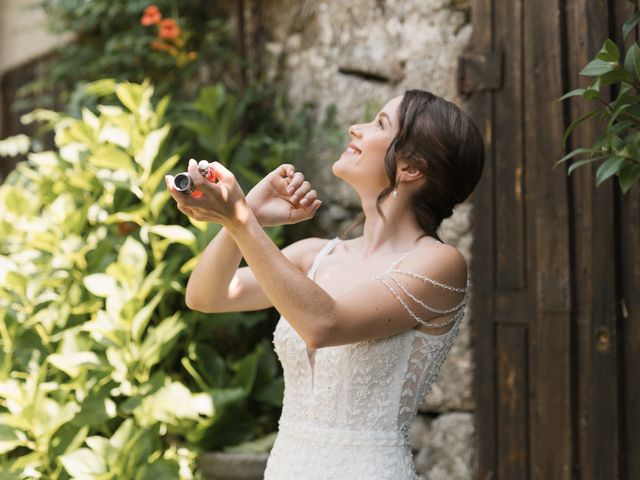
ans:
(151, 16)
(169, 29)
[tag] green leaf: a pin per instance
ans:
(577, 122)
(162, 469)
(573, 93)
(245, 369)
(15, 145)
(158, 174)
(616, 76)
(10, 438)
(83, 463)
(123, 434)
(175, 233)
(150, 149)
(111, 136)
(628, 175)
(100, 284)
(272, 392)
(101, 447)
(160, 340)
(112, 159)
(209, 363)
(101, 88)
(131, 95)
(632, 61)
(577, 151)
(609, 52)
(161, 109)
(173, 403)
(608, 168)
(630, 24)
(73, 363)
(142, 317)
(598, 67)
(133, 256)
(96, 410)
(579, 163)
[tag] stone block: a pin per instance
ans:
(448, 448)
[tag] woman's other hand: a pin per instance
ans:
(283, 197)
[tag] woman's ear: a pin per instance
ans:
(408, 172)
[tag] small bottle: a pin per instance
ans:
(184, 184)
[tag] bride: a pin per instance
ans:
(366, 323)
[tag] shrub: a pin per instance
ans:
(618, 146)
(105, 374)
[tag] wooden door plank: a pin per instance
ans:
(629, 308)
(513, 452)
(483, 340)
(630, 332)
(595, 276)
(509, 166)
(549, 255)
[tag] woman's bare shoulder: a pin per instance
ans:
(302, 252)
(443, 261)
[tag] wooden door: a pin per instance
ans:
(556, 261)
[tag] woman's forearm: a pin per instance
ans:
(210, 279)
(296, 297)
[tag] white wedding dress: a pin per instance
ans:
(347, 409)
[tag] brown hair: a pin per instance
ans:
(443, 143)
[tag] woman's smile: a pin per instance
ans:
(352, 151)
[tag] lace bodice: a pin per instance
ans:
(361, 394)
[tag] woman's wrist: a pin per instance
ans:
(243, 216)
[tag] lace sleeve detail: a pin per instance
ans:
(458, 307)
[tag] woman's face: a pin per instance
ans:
(362, 162)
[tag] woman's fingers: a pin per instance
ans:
(286, 170)
(301, 191)
(295, 183)
(309, 198)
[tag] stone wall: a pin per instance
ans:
(23, 33)
(355, 56)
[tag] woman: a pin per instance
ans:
(366, 323)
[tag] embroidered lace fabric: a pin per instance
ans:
(347, 409)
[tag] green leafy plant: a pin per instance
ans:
(618, 146)
(111, 40)
(104, 373)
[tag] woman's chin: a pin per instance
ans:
(337, 168)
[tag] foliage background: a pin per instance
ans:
(105, 373)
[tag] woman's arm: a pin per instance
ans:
(368, 311)
(218, 285)
(298, 298)
(210, 280)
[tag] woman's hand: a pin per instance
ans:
(283, 197)
(222, 202)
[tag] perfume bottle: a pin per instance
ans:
(184, 184)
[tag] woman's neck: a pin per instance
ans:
(398, 232)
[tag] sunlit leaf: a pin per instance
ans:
(100, 284)
(83, 463)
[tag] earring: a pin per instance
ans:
(395, 193)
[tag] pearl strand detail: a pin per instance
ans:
(417, 300)
(415, 317)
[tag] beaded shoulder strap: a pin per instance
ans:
(321, 254)
(458, 307)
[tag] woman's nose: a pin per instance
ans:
(354, 131)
